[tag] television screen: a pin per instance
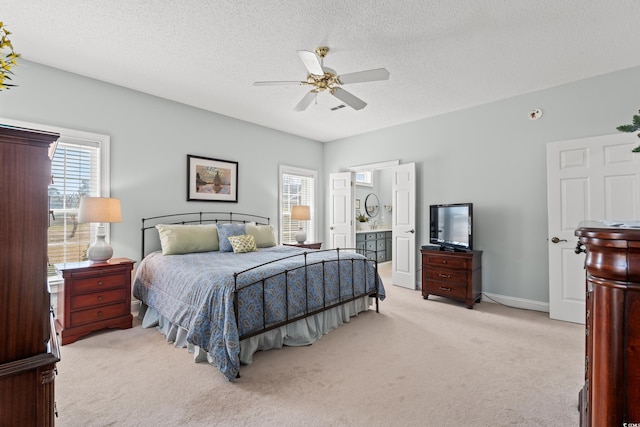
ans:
(451, 226)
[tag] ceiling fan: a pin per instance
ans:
(323, 78)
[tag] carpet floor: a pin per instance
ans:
(416, 363)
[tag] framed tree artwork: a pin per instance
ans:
(211, 180)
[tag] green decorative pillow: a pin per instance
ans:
(263, 235)
(243, 243)
(179, 239)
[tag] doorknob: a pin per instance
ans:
(554, 239)
(410, 231)
(331, 228)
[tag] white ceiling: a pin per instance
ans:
(443, 55)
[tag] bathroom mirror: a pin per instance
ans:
(371, 205)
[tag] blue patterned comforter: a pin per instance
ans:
(195, 292)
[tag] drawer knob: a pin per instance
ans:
(446, 276)
(444, 261)
(100, 283)
(99, 297)
(99, 313)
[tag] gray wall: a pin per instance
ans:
(491, 155)
(150, 140)
(494, 156)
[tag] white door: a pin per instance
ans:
(587, 179)
(403, 226)
(341, 210)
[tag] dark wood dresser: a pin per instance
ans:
(611, 392)
(95, 296)
(456, 275)
(29, 347)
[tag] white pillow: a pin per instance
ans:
(179, 239)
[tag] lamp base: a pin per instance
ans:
(100, 251)
(301, 236)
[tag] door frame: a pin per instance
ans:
(390, 165)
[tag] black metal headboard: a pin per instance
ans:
(199, 218)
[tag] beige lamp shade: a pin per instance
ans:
(301, 213)
(99, 209)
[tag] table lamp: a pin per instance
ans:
(100, 210)
(301, 213)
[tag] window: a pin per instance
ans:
(364, 178)
(75, 174)
(79, 168)
(297, 187)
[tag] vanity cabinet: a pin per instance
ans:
(375, 244)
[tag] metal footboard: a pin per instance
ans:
(342, 263)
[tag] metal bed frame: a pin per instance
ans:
(231, 217)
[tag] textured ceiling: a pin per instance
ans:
(443, 55)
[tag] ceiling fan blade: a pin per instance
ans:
(364, 76)
(278, 83)
(305, 101)
(311, 62)
(349, 99)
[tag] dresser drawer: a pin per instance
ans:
(97, 314)
(371, 245)
(94, 284)
(447, 276)
(79, 302)
(447, 261)
(451, 290)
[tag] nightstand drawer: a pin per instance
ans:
(94, 284)
(95, 299)
(449, 262)
(448, 276)
(450, 290)
(97, 314)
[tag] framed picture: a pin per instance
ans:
(211, 180)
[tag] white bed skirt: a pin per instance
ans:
(302, 332)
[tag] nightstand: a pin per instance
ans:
(95, 296)
(308, 245)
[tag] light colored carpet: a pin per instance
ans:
(416, 363)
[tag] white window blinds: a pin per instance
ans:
(297, 188)
(75, 170)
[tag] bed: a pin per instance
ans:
(220, 286)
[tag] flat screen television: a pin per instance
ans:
(452, 226)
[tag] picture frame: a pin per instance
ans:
(211, 180)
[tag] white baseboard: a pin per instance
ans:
(515, 302)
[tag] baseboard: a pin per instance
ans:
(515, 302)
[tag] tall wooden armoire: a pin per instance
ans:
(29, 348)
(611, 393)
